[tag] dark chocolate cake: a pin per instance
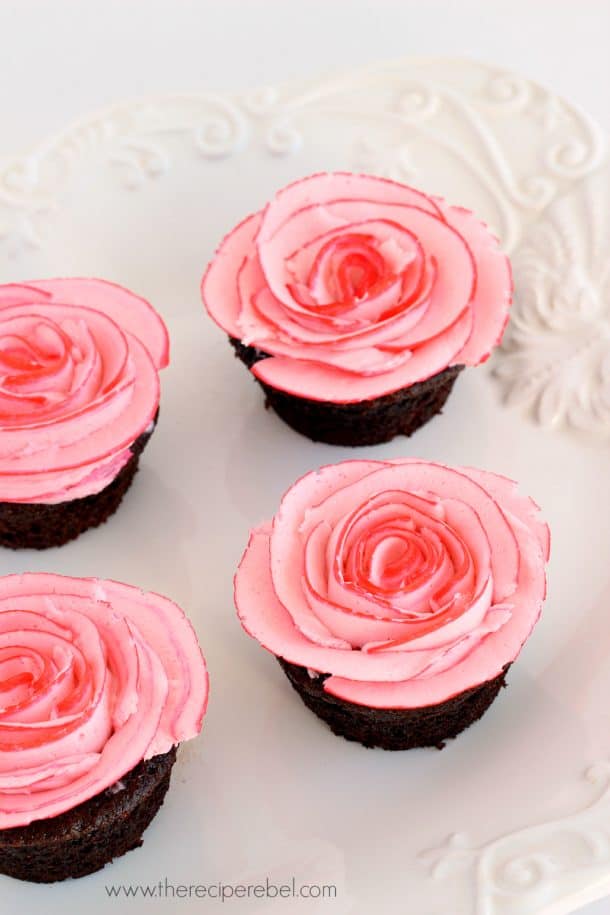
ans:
(84, 839)
(37, 526)
(368, 422)
(394, 729)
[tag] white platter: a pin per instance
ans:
(513, 817)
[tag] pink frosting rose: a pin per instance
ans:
(95, 676)
(79, 364)
(358, 286)
(408, 582)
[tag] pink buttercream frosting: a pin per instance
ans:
(95, 676)
(407, 582)
(79, 382)
(358, 286)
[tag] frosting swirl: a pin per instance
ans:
(79, 363)
(408, 582)
(95, 676)
(358, 286)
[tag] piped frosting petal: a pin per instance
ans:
(356, 286)
(403, 582)
(79, 383)
(95, 676)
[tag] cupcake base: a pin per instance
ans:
(367, 422)
(394, 729)
(86, 838)
(37, 526)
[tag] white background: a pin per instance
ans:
(63, 59)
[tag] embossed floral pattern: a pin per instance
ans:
(555, 357)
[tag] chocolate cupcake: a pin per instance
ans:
(356, 301)
(396, 595)
(99, 683)
(79, 398)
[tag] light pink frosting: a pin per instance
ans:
(408, 582)
(79, 363)
(95, 676)
(359, 286)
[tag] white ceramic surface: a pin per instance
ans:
(512, 818)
